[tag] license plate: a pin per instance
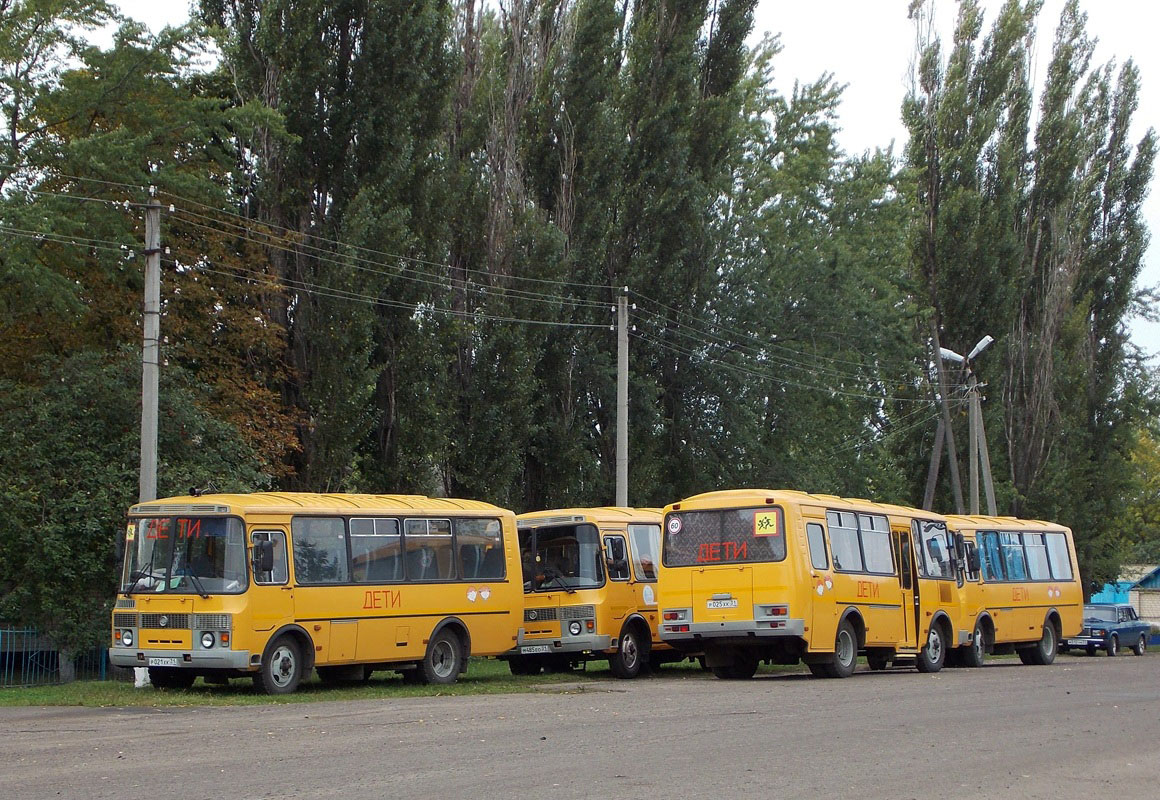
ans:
(722, 603)
(1077, 641)
(535, 648)
(164, 662)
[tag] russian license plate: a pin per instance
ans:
(1077, 642)
(164, 662)
(535, 648)
(722, 603)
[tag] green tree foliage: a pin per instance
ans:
(69, 447)
(1037, 237)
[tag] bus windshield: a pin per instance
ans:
(566, 557)
(185, 555)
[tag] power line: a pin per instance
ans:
(770, 376)
(412, 259)
(330, 257)
(344, 294)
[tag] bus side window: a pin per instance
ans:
(816, 536)
(279, 574)
(646, 543)
(616, 558)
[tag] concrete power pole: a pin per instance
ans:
(151, 351)
(622, 399)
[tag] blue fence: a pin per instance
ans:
(28, 659)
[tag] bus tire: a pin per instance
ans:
(444, 659)
(845, 657)
(522, 665)
(281, 669)
(819, 670)
(171, 678)
(974, 654)
(632, 654)
(933, 654)
(1114, 645)
(1142, 645)
(1043, 652)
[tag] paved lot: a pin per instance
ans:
(1082, 727)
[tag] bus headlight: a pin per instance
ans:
(127, 638)
(574, 627)
(208, 640)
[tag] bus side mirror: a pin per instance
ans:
(263, 556)
(973, 561)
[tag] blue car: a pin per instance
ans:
(1108, 628)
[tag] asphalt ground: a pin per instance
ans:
(1083, 727)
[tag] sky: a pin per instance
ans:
(868, 45)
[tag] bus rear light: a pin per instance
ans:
(677, 628)
(779, 611)
(672, 615)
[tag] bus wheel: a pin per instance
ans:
(974, 655)
(1043, 653)
(1114, 645)
(631, 655)
(845, 652)
(444, 659)
(1140, 646)
(934, 653)
(520, 665)
(281, 670)
(169, 678)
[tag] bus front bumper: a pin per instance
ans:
(180, 659)
(734, 629)
(595, 643)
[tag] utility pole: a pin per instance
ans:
(622, 399)
(952, 456)
(977, 446)
(151, 351)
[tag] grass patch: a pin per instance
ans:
(484, 676)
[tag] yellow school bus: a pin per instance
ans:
(589, 590)
(274, 585)
(1022, 591)
(755, 575)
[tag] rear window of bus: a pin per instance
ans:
(724, 536)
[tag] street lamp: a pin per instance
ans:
(978, 437)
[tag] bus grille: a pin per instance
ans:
(539, 614)
(124, 620)
(172, 621)
(211, 622)
(126, 602)
(577, 612)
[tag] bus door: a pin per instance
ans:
(909, 584)
(644, 546)
(822, 618)
(271, 598)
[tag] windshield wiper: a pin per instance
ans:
(197, 585)
(556, 576)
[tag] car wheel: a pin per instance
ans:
(631, 655)
(1114, 646)
(444, 659)
(933, 654)
(1141, 645)
(974, 655)
(281, 670)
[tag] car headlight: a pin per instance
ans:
(575, 627)
(127, 638)
(208, 640)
